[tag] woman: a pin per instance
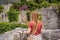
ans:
(34, 27)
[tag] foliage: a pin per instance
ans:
(28, 15)
(39, 1)
(23, 0)
(31, 5)
(40, 17)
(54, 4)
(15, 6)
(45, 4)
(1, 8)
(54, 1)
(6, 26)
(12, 15)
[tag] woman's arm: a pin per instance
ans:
(28, 31)
(29, 28)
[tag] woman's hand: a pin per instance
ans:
(28, 31)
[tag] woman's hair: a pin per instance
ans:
(34, 13)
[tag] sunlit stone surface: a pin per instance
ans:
(50, 22)
(14, 35)
(49, 18)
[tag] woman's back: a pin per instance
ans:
(38, 27)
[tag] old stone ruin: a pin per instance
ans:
(50, 30)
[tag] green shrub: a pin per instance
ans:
(28, 15)
(31, 0)
(32, 6)
(15, 6)
(54, 1)
(40, 17)
(45, 4)
(13, 15)
(53, 4)
(39, 1)
(23, 0)
(1, 8)
(5, 26)
(2, 27)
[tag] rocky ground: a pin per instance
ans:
(16, 35)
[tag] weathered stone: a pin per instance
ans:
(49, 18)
(51, 34)
(14, 35)
(50, 21)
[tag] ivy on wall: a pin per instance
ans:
(1, 8)
(12, 15)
